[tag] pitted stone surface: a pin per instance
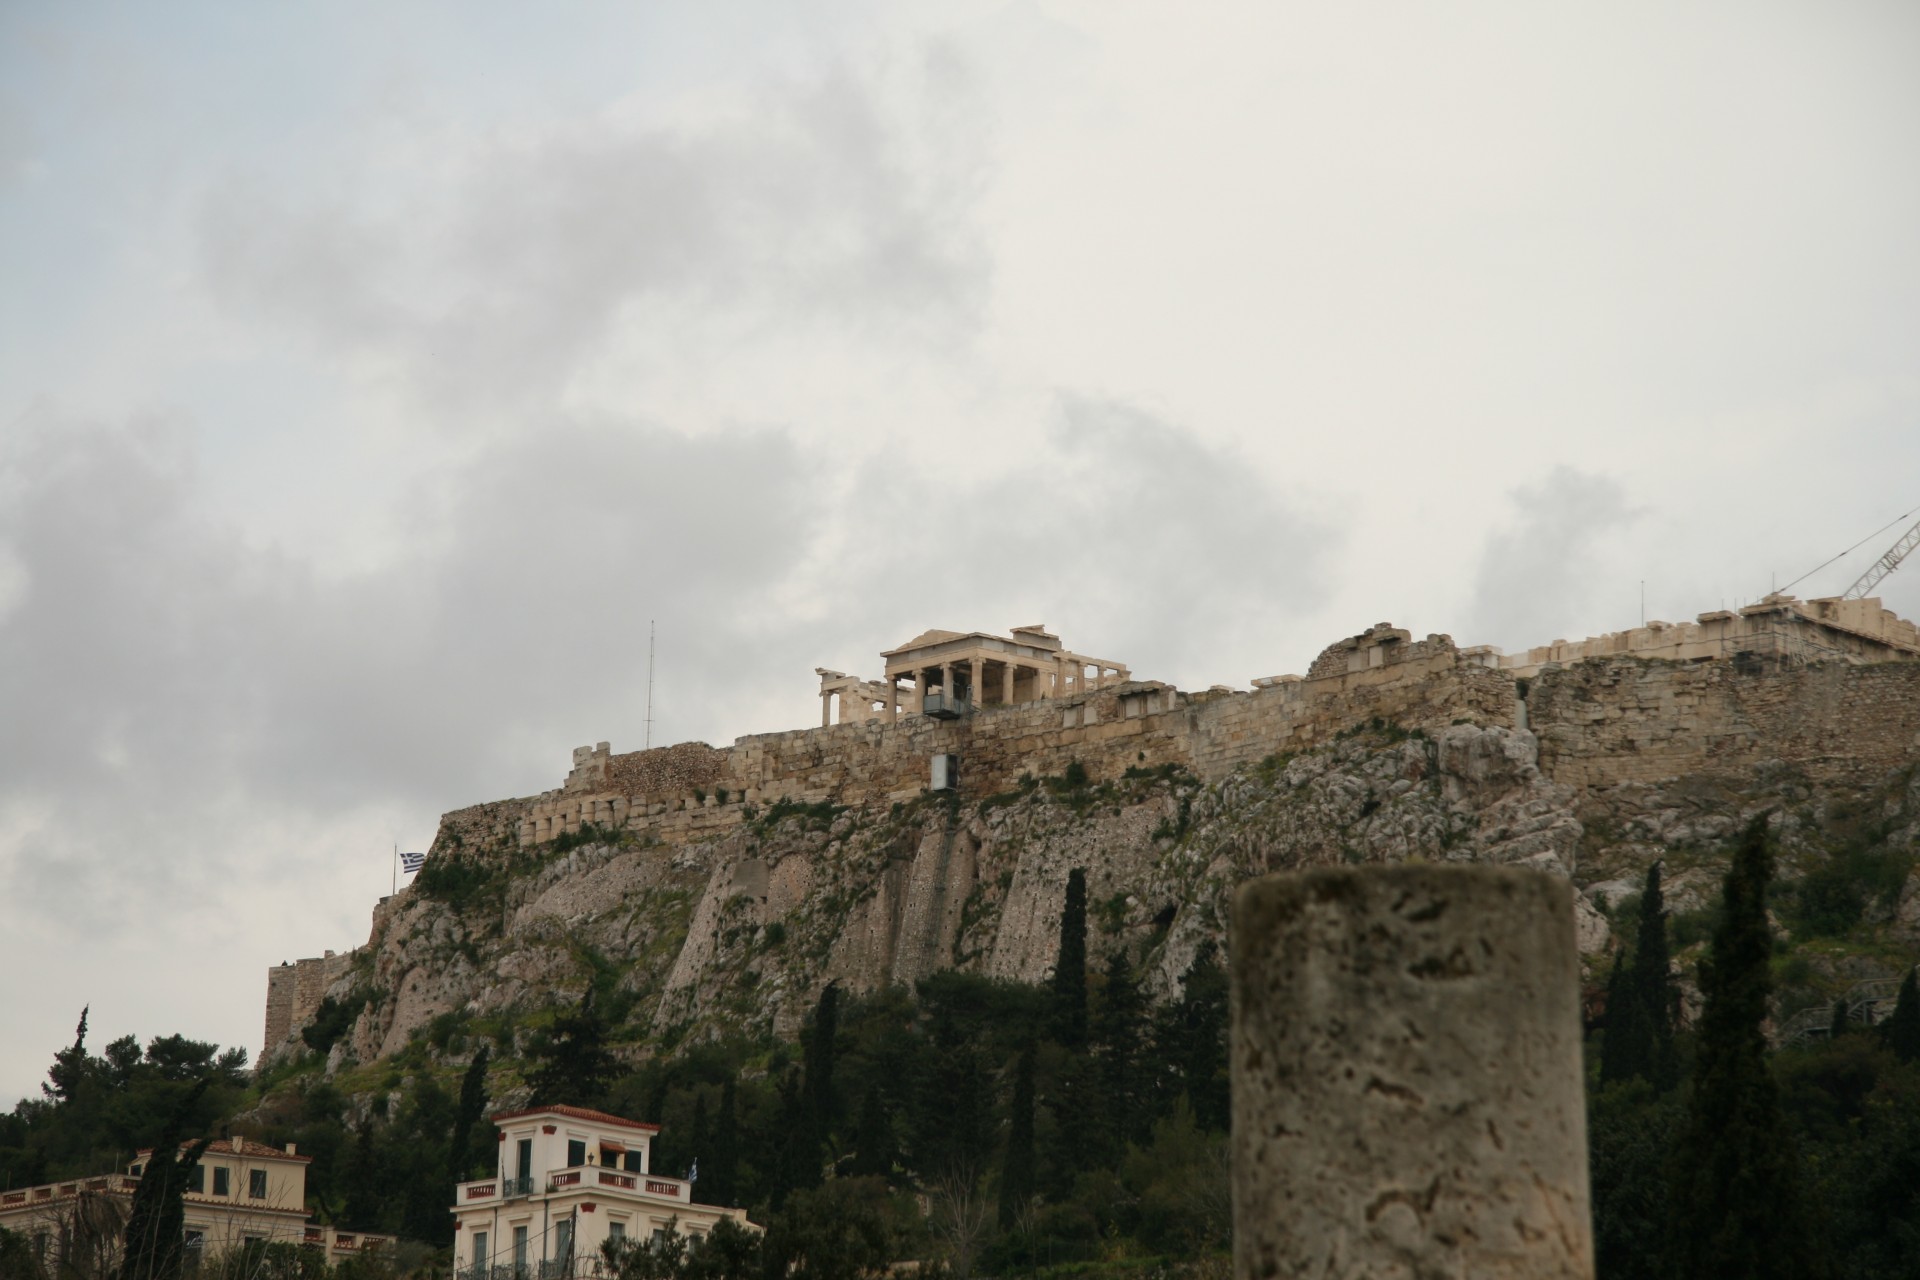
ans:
(1407, 1095)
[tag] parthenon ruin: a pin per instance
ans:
(951, 672)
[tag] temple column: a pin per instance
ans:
(976, 688)
(893, 699)
(1006, 684)
(946, 683)
(826, 708)
(920, 691)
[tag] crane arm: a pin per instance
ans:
(1885, 565)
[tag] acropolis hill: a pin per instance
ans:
(930, 820)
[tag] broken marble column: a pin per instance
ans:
(1407, 1087)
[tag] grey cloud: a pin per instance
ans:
(1535, 579)
(809, 208)
(162, 668)
(1136, 538)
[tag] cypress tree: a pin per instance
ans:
(156, 1221)
(1070, 972)
(1118, 1030)
(1622, 1032)
(1640, 1002)
(1191, 1038)
(819, 1068)
(873, 1145)
(723, 1170)
(1653, 985)
(700, 1138)
(1735, 1203)
(1902, 1030)
(1017, 1172)
(473, 1105)
(1838, 1027)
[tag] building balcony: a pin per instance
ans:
(943, 706)
(486, 1189)
(577, 1178)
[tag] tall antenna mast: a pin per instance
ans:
(649, 738)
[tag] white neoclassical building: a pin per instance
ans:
(241, 1192)
(569, 1180)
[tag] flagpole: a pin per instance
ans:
(396, 871)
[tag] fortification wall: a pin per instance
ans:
(295, 990)
(688, 792)
(1608, 721)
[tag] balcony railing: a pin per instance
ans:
(579, 1268)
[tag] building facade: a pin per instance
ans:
(240, 1193)
(569, 1180)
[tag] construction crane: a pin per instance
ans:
(1885, 565)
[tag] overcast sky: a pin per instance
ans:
(371, 375)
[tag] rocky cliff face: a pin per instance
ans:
(743, 931)
(739, 925)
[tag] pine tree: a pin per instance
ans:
(574, 1067)
(1070, 971)
(1118, 1029)
(1902, 1030)
(156, 1221)
(1017, 1172)
(70, 1066)
(1735, 1204)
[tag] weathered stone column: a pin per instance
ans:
(1407, 1088)
(893, 699)
(1006, 684)
(826, 708)
(976, 683)
(920, 690)
(946, 682)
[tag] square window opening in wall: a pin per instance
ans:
(257, 1184)
(197, 1180)
(220, 1182)
(576, 1153)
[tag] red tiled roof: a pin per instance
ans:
(248, 1148)
(577, 1113)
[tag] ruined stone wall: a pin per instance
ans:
(295, 990)
(1610, 721)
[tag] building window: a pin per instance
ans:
(634, 1164)
(576, 1153)
(479, 1248)
(195, 1239)
(257, 1184)
(616, 1230)
(197, 1179)
(563, 1239)
(519, 1246)
(135, 1171)
(525, 1157)
(220, 1182)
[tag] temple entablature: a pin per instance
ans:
(951, 673)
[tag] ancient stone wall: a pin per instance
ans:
(1610, 721)
(295, 990)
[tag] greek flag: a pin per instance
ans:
(412, 862)
(693, 1173)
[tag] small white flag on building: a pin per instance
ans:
(412, 862)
